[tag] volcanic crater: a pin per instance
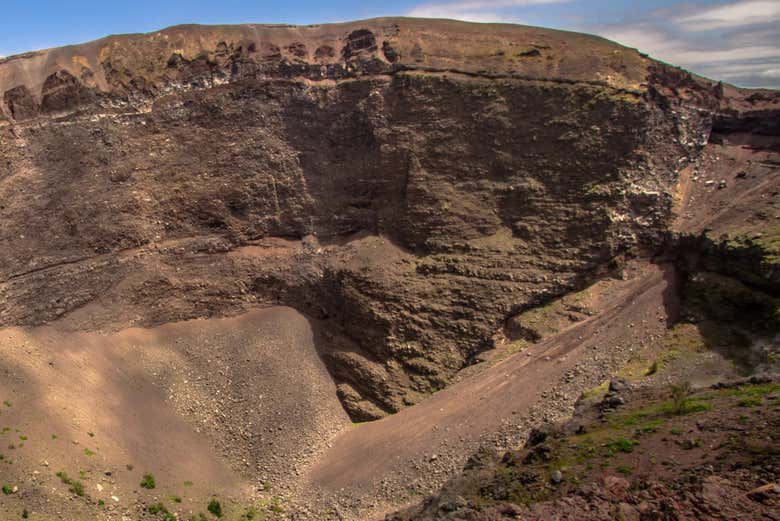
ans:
(311, 270)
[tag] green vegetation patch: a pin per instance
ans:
(595, 394)
(215, 508)
(148, 482)
(650, 426)
(524, 477)
(159, 508)
(272, 505)
(250, 514)
(622, 445)
(768, 243)
(757, 390)
(622, 432)
(75, 487)
(651, 417)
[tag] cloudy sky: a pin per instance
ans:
(736, 41)
(733, 40)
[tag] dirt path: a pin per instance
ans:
(438, 434)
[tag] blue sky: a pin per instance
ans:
(734, 40)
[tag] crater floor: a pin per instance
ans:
(228, 406)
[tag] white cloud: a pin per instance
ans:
(725, 55)
(476, 10)
(681, 51)
(472, 16)
(746, 12)
(744, 69)
(641, 36)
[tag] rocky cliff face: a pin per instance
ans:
(410, 185)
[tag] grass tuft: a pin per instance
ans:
(76, 487)
(680, 396)
(622, 445)
(148, 482)
(215, 508)
(159, 508)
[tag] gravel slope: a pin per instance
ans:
(232, 405)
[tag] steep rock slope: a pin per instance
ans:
(617, 458)
(432, 179)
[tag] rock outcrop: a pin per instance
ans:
(434, 178)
